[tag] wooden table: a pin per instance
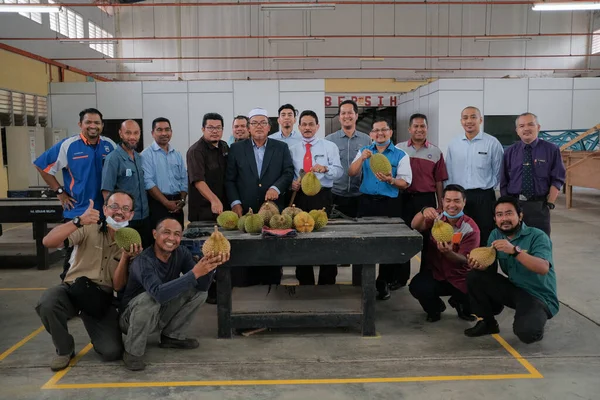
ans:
(364, 242)
(40, 212)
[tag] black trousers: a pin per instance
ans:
(158, 211)
(305, 273)
(489, 293)
(412, 204)
(425, 288)
(347, 205)
(383, 206)
(480, 207)
(536, 214)
(143, 228)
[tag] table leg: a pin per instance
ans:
(368, 300)
(41, 252)
(224, 301)
(356, 274)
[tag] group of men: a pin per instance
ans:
(159, 285)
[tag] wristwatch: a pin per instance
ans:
(550, 205)
(517, 251)
(59, 190)
(77, 222)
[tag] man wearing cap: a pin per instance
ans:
(258, 170)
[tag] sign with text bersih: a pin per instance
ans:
(363, 99)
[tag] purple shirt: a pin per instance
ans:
(548, 168)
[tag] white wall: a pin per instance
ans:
(184, 103)
(559, 103)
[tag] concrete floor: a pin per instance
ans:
(409, 359)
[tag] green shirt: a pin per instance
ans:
(536, 243)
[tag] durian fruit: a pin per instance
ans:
(291, 211)
(228, 220)
(216, 243)
(320, 217)
(310, 184)
(254, 222)
(304, 222)
(268, 210)
(442, 231)
(125, 237)
(380, 163)
(281, 222)
(241, 222)
(485, 256)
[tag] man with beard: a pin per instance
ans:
(444, 269)
(123, 171)
(379, 191)
(165, 176)
(473, 161)
(287, 118)
(533, 172)
(321, 157)
(529, 287)
(239, 130)
(98, 259)
(80, 158)
(346, 190)
(165, 289)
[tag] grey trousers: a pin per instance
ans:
(55, 309)
(143, 315)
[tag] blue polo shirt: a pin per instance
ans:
(400, 170)
(122, 173)
(81, 163)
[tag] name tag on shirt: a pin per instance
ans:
(483, 152)
(128, 172)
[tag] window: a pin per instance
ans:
(20, 109)
(105, 47)
(596, 42)
(66, 22)
(34, 16)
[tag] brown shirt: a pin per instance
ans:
(207, 163)
(95, 255)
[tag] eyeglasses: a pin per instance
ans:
(116, 207)
(376, 131)
(214, 128)
(163, 130)
(262, 123)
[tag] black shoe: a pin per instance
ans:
(461, 310)
(396, 285)
(436, 316)
(170, 343)
(133, 363)
(211, 300)
(383, 290)
(482, 328)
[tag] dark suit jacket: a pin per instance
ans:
(243, 181)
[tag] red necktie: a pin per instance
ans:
(307, 158)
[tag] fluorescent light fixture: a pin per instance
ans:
(579, 6)
(130, 61)
(503, 39)
(372, 59)
(284, 59)
(154, 74)
(460, 59)
(9, 8)
(293, 71)
(297, 39)
(88, 41)
(568, 71)
(424, 71)
(297, 6)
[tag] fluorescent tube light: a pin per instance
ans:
(424, 71)
(283, 59)
(372, 59)
(9, 8)
(130, 61)
(566, 6)
(81, 41)
(297, 39)
(502, 39)
(460, 59)
(297, 6)
(568, 71)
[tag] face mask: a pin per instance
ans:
(116, 225)
(460, 214)
(309, 140)
(386, 143)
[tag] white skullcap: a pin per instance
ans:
(257, 111)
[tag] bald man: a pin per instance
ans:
(123, 171)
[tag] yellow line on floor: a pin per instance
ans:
(534, 372)
(16, 289)
(14, 227)
(21, 343)
(51, 384)
(114, 385)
